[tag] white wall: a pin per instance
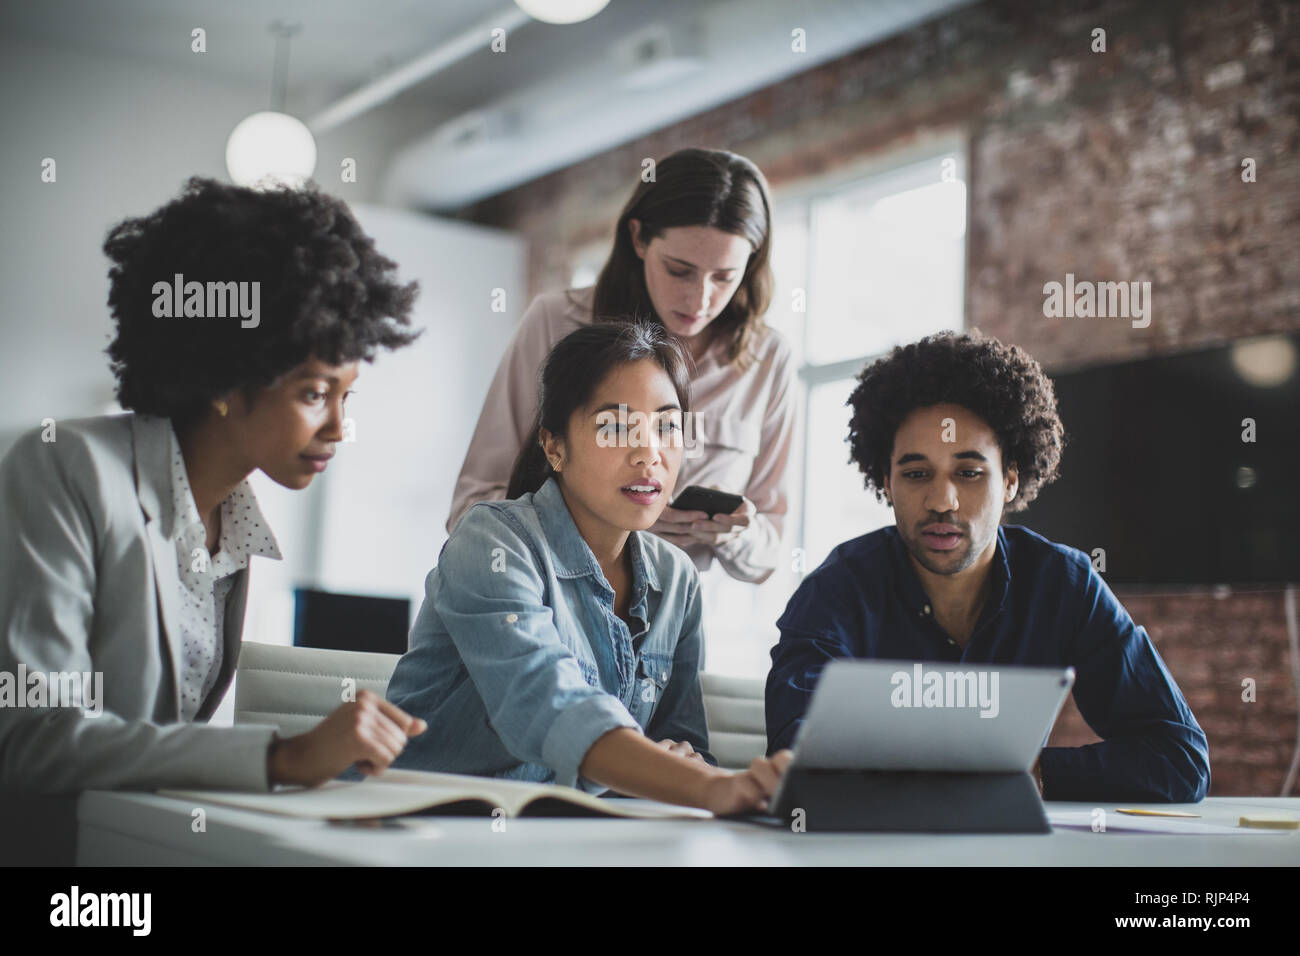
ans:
(123, 140)
(125, 136)
(388, 494)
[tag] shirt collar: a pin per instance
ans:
(578, 303)
(569, 551)
(912, 594)
(236, 546)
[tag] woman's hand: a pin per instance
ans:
(696, 527)
(747, 791)
(675, 525)
(682, 747)
(722, 528)
(369, 732)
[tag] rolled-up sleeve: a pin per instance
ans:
(755, 553)
(491, 598)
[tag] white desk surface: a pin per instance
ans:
(123, 829)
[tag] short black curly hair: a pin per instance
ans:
(1002, 384)
(325, 292)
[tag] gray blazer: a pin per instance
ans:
(88, 582)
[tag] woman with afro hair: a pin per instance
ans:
(125, 540)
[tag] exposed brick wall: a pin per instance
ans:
(1115, 166)
(1210, 643)
(1127, 165)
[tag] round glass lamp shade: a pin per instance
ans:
(270, 148)
(561, 11)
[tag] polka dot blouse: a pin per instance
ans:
(206, 579)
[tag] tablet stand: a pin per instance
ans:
(916, 801)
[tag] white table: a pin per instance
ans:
(123, 829)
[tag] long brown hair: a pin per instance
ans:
(696, 187)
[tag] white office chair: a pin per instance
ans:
(734, 710)
(296, 687)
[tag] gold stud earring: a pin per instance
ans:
(222, 408)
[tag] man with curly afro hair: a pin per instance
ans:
(953, 431)
(126, 540)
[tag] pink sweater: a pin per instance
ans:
(745, 429)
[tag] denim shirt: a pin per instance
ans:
(518, 661)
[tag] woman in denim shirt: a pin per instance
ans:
(554, 630)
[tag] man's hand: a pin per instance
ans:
(369, 732)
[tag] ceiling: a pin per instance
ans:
(485, 121)
(343, 43)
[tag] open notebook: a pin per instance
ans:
(404, 792)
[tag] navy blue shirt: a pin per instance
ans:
(1046, 607)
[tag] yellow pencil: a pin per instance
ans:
(1157, 813)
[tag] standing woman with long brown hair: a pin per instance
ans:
(691, 250)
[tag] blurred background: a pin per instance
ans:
(933, 165)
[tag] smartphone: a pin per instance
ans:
(708, 500)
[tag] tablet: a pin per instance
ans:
(929, 715)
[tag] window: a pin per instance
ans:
(863, 263)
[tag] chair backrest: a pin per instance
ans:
(296, 687)
(737, 722)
